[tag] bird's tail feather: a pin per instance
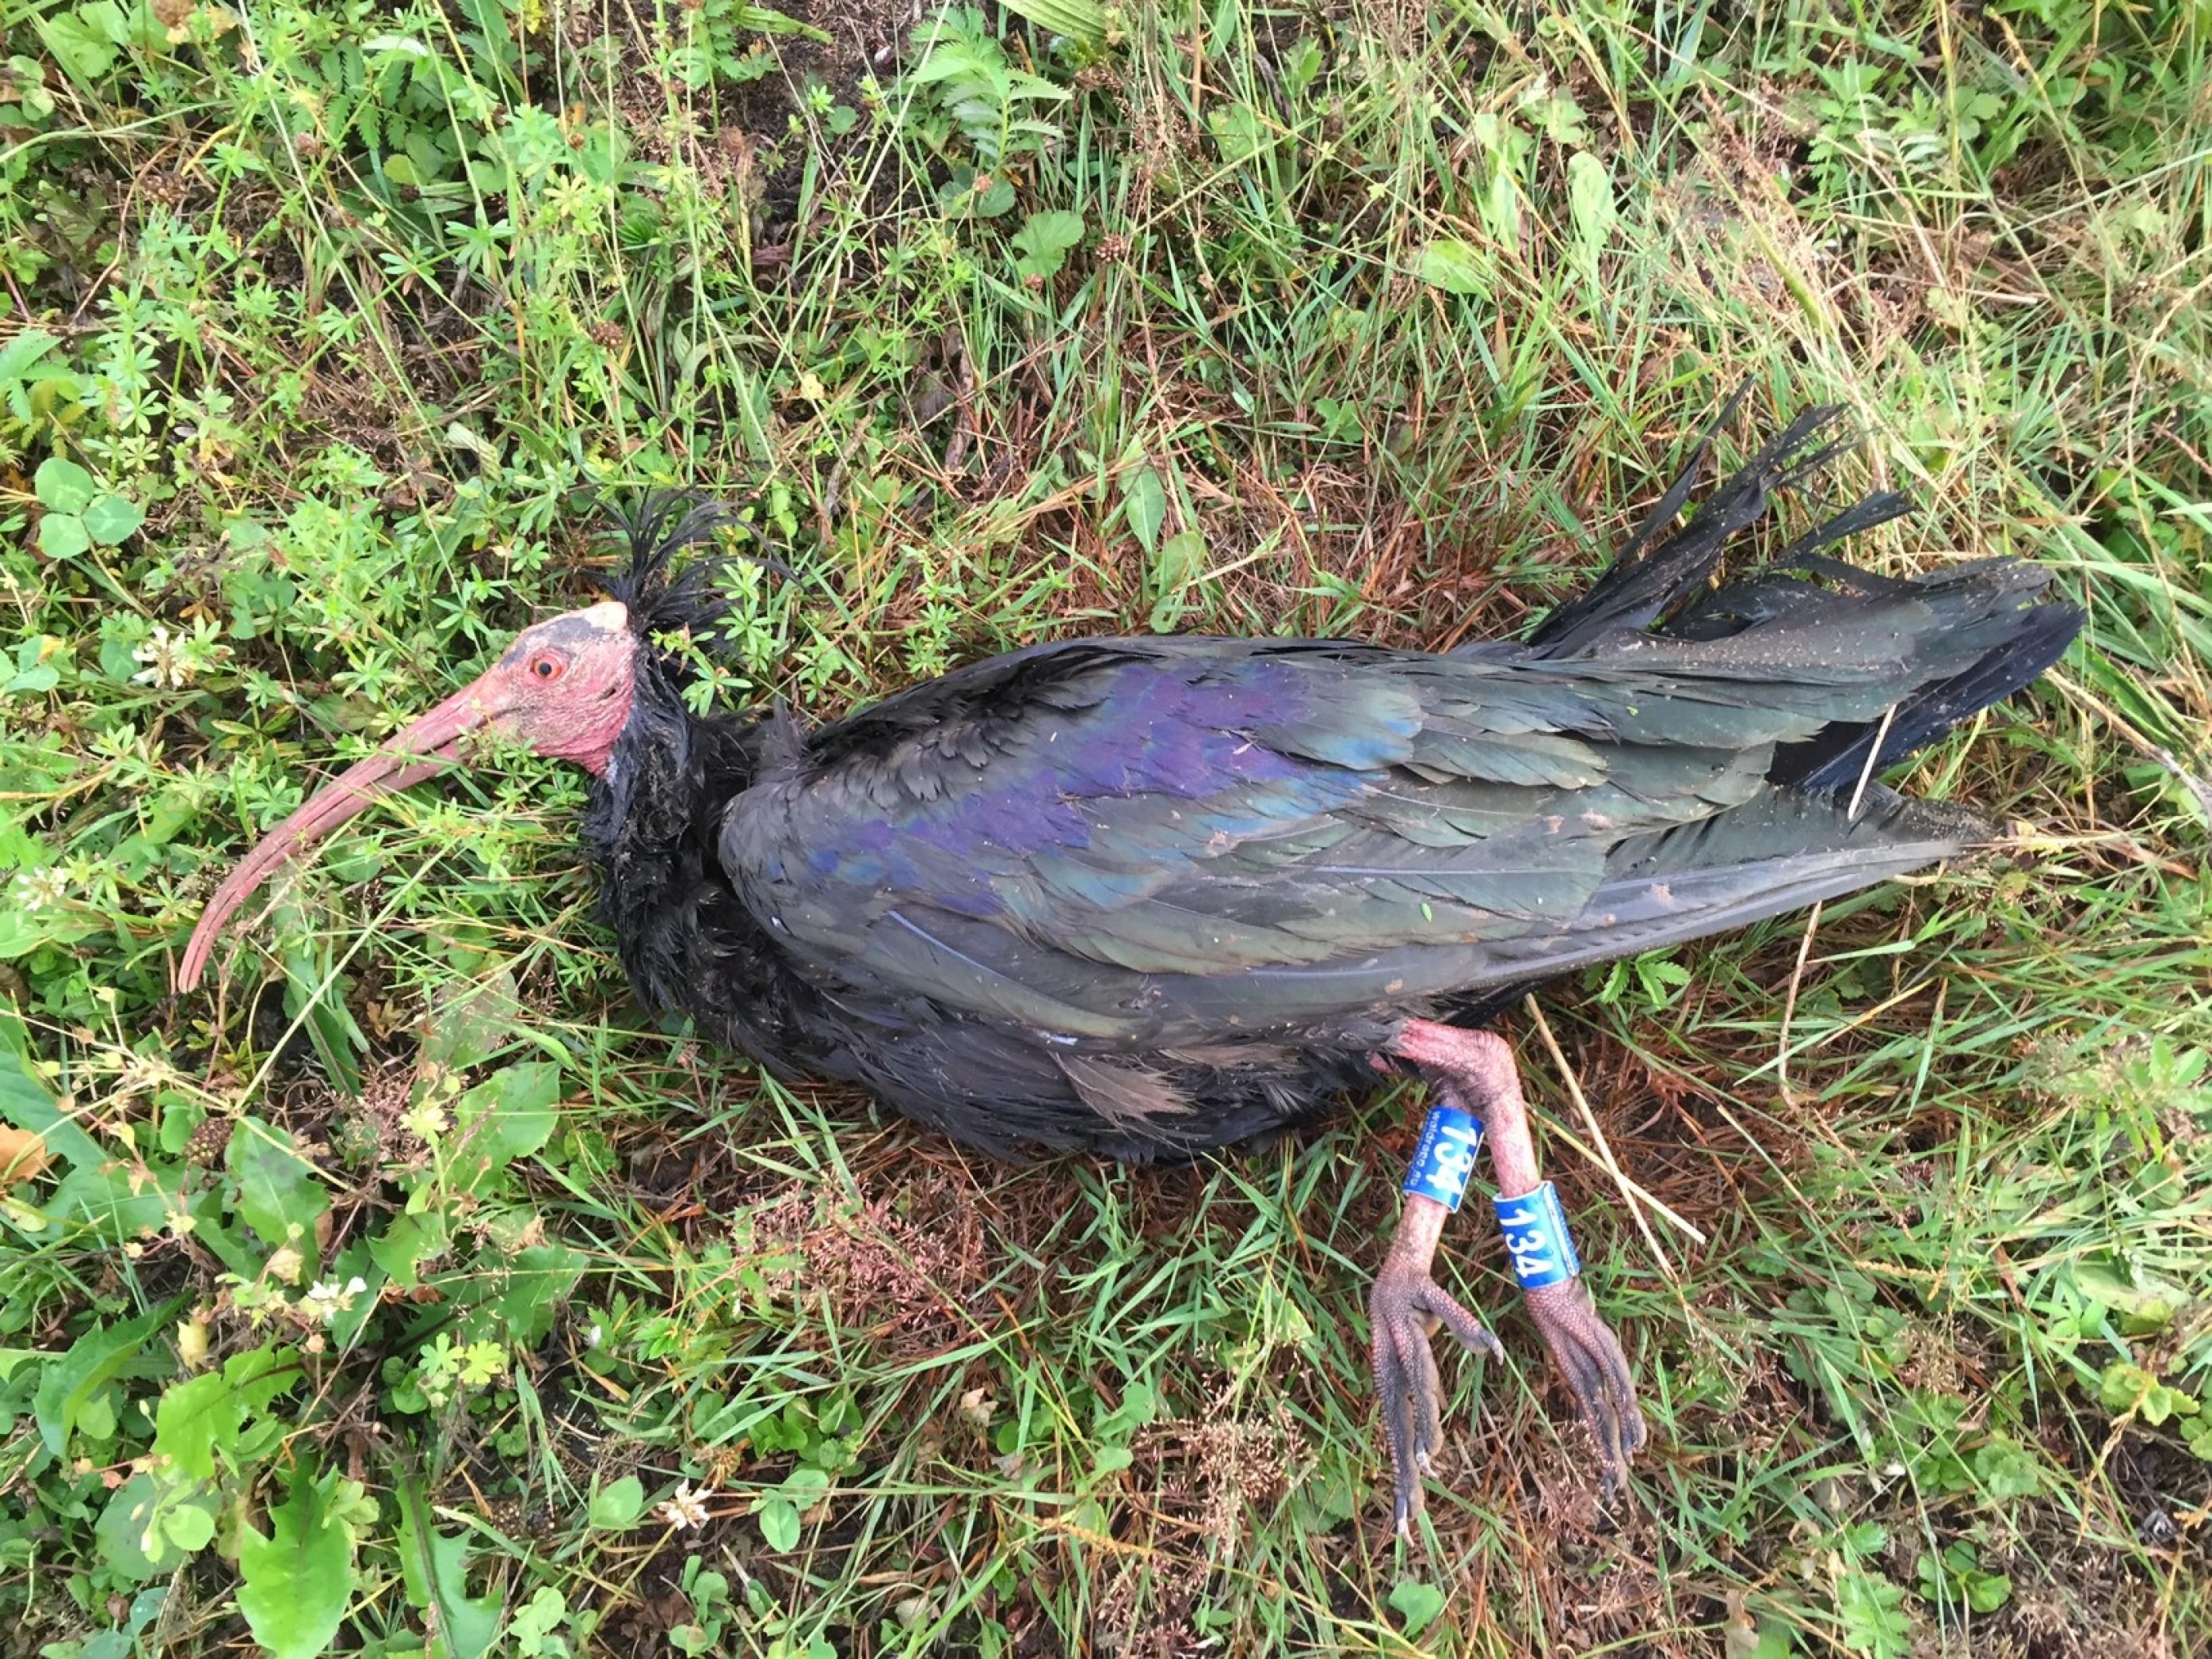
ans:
(1667, 590)
(1639, 586)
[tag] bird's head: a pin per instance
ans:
(564, 689)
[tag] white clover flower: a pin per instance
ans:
(163, 653)
(686, 1507)
(42, 889)
(326, 1300)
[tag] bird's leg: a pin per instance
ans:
(1407, 1305)
(1473, 1072)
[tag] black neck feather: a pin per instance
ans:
(652, 823)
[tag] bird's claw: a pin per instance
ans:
(1588, 1355)
(1404, 1312)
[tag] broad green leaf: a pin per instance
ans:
(617, 1505)
(410, 1240)
(763, 19)
(2007, 1470)
(1145, 501)
(1044, 240)
(315, 994)
(26, 1102)
(471, 1023)
(1139, 1407)
(279, 1194)
(1238, 133)
(194, 1418)
(189, 1527)
(1455, 266)
(295, 1583)
(137, 1533)
(1987, 1591)
(536, 1281)
(1418, 1603)
(1080, 19)
(63, 486)
(1179, 562)
(509, 1114)
(434, 1569)
(22, 931)
(93, 1360)
(2140, 1295)
(1871, 1611)
(1589, 200)
(111, 519)
(261, 1374)
(63, 536)
(779, 1523)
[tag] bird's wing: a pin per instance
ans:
(1169, 841)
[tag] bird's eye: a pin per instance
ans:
(546, 668)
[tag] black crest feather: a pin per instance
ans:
(656, 526)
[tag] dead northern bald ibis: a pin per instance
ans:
(1149, 896)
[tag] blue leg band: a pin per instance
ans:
(1450, 1137)
(1536, 1231)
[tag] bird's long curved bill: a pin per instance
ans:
(421, 750)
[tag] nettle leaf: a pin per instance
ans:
(510, 1114)
(295, 1582)
(279, 1194)
(63, 486)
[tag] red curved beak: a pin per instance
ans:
(425, 748)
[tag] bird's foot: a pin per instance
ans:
(1404, 1312)
(1588, 1355)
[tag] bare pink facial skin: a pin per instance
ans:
(563, 689)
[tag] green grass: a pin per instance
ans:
(1378, 323)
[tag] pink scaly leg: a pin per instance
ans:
(1475, 1071)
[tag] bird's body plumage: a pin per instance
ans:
(1147, 897)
